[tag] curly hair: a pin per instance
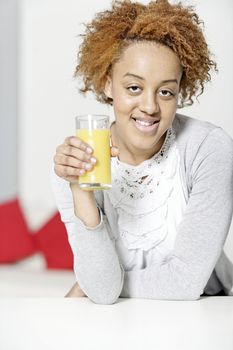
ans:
(175, 26)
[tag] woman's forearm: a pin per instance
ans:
(85, 207)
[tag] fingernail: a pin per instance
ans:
(88, 166)
(93, 160)
(89, 150)
(82, 171)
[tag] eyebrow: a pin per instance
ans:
(141, 78)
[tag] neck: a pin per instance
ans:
(134, 156)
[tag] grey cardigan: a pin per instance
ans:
(197, 264)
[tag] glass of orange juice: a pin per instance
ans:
(95, 130)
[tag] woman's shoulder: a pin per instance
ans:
(185, 125)
(203, 147)
(191, 133)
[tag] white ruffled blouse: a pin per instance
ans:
(149, 202)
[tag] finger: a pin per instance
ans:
(66, 171)
(67, 161)
(114, 151)
(61, 159)
(77, 153)
(77, 142)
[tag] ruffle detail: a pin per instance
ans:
(132, 183)
(142, 206)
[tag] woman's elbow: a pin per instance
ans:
(106, 298)
(192, 293)
(108, 295)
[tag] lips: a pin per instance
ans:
(146, 124)
(147, 120)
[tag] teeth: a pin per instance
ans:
(144, 123)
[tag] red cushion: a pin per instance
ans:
(52, 241)
(16, 242)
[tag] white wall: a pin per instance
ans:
(215, 105)
(48, 96)
(8, 99)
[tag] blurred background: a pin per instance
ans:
(39, 99)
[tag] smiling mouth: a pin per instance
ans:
(145, 123)
(146, 126)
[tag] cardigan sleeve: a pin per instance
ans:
(96, 265)
(201, 233)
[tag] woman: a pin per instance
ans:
(159, 232)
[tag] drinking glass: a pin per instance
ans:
(95, 131)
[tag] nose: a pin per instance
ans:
(148, 103)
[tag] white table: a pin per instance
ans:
(79, 324)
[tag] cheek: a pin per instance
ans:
(122, 102)
(169, 108)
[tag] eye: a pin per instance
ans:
(166, 93)
(134, 88)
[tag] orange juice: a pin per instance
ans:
(100, 176)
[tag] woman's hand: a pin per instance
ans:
(74, 157)
(75, 292)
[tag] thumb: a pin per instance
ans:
(114, 151)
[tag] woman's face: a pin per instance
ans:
(144, 86)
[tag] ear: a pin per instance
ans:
(108, 87)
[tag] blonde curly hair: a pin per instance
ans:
(175, 26)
